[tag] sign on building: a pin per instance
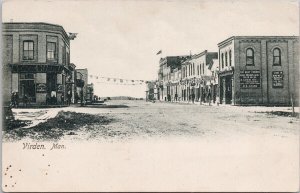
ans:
(250, 79)
(277, 79)
(40, 88)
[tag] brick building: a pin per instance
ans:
(259, 70)
(36, 62)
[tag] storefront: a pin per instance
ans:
(226, 87)
(40, 84)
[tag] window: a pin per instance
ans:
(28, 50)
(249, 57)
(198, 70)
(51, 54)
(203, 67)
(226, 59)
(193, 69)
(222, 60)
(185, 71)
(276, 57)
(230, 58)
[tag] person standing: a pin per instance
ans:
(12, 100)
(62, 98)
(17, 99)
(193, 98)
(69, 96)
(25, 100)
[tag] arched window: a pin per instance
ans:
(249, 57)
(222, 56)
(230, 58)
(276, 57)
(226, 57)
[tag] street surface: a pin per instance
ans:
(159, 147)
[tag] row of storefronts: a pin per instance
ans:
(247, 70)
(36, 65)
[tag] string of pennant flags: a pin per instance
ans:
(117, 81)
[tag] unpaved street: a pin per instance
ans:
(156, 147)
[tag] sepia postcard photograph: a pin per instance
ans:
(150, 95)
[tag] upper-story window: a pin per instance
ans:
(28, 50)
(51, 48)
(249, 57)
(230, 58)
(200, 68)
(276, 57)
(193, 69)
(226, 59)
(222, 60)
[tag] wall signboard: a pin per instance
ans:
(60, 88)
(41, 88)
(277, 79)
(250, 79)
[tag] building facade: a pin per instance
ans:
(82, 77)
(259, 70)
(166, 67)
(36, 62)
(198, 77)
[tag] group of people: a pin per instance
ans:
(206, 97)
(51, 99)
(15, 100)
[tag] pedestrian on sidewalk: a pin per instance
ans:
(62, 98)
(69, 96)
(25, 100)
(193, 98)
(16, 99)
(12, 100)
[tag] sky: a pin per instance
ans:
(120, 38)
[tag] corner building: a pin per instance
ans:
(36, 61)
(259, 70)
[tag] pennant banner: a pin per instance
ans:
(118, 81)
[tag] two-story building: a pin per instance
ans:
(36, 61)
(259, 70)
(166, 67)
(197, 76)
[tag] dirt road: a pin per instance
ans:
(160, 147)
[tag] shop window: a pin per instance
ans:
(249, 57)
(51, 50)
(28, 50)
(276, 57)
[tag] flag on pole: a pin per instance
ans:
(159, 52)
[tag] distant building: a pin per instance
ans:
(166, 67)
(198, 79)
(90, 93)
(36, 61)
(259, 70)
(82, 75)
(151, 90)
